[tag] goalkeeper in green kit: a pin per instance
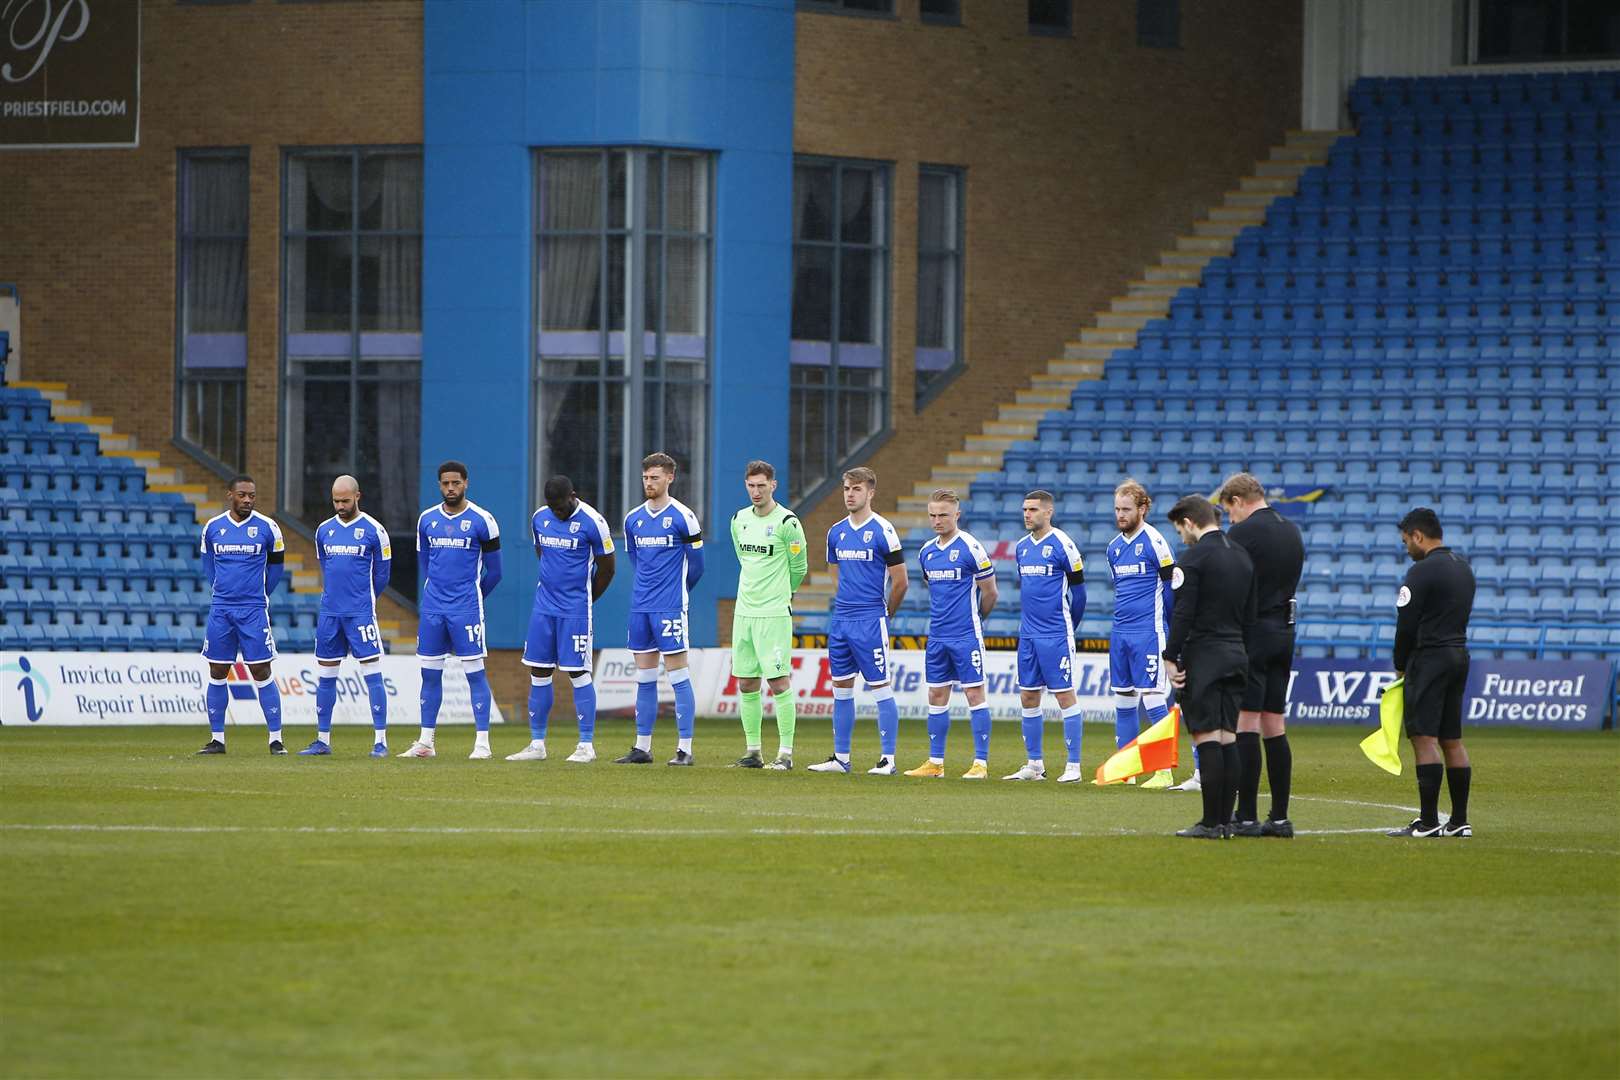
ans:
(770, 546)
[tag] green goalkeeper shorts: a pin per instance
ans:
(761, 647)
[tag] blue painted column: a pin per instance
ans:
(502, 77)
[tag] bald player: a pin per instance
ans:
(352, 549)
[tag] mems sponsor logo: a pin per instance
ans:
(854, 554)
(463, 542)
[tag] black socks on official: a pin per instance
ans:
(1234, 775)
(1458, 780)
(1212, 774)
(1248, 752)
(1428, 777)
(1280, 774)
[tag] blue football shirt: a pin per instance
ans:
(355, 557)
(241, 552)
(1138, 565)
(953, 572)
(452, 548)
(568, 548)
(1044, 567)
(863, 554)
(657, 542)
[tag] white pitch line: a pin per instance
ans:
(1353, 802)
(497, 830)
(559, 830)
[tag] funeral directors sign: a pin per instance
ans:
(1558, 695)
(1563, 695)
(70, 73)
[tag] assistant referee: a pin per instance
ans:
(1278, 552)
(1431, 653)
(1204, 655)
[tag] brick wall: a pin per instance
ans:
(1085, 157)
(89, 235)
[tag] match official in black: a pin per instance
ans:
(1431, 653)
(1204, 655)
(1278, 552)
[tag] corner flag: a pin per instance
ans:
(1383, 747)
(1150, 751)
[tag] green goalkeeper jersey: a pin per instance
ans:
(771, 549)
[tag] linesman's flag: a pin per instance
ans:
(1150, 751)
(1383, 747)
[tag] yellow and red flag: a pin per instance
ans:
(1150, 751)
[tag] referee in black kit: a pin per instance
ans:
(1431, 653)
(1278, 552)
(1204, 656)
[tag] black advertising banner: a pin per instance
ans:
(70, 73)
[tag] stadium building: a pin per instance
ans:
(981, 244)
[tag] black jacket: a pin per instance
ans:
(1214, 585)
(1433, 606)
(1278, 552)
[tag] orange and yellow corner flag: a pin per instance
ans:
(1150, 751)
(1383, 747)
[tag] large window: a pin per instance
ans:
(1050, 16)
(939, 277)
(1526, 31)
(622, 284)
(211, 302)
(849, 7)
(352, 287)
(1158, 24)
(840, 351)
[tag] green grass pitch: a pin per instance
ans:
(168, 915)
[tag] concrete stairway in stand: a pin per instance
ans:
(303, 575)
(1145, 299)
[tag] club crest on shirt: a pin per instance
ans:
(1137, 549)
(359, 532)
(770, 530)
(866, 537)
(466, 526)
(573, 526)
(1046, 550)
(253, 532)
(954, 554)
(665, 522)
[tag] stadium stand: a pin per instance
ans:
(90, 558)
(1431, 318)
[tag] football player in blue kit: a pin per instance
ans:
(242, 553)
(1052, 598)
(459, 547)
(664, 543)
(961, 592)
(353, 551)
(1140, 565)
(864, 555)
(575, 549)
